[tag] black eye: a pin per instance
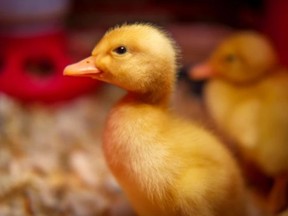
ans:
(230, 58)
(120, 50)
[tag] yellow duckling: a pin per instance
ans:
(165, 165)
(247, 97)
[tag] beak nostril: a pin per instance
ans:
(88, 62)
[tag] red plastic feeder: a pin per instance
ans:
(31, 69)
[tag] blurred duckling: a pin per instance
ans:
(165, 165)
(247, 96)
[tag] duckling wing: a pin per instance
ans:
(272, 150)
(209, 181)
(234, 110)
(243, 123)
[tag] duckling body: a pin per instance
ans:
(168, 166)
(165, 165)
(247, 96)
(255, 116)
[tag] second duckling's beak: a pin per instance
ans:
(86, 68)
(202, 71)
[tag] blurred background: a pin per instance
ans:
(51, 161)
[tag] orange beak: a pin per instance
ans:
(86, 68)
(202, 71)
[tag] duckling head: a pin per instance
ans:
(139, 58)
(242, 58)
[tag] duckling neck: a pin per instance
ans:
(157, 94)
(158, 99)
